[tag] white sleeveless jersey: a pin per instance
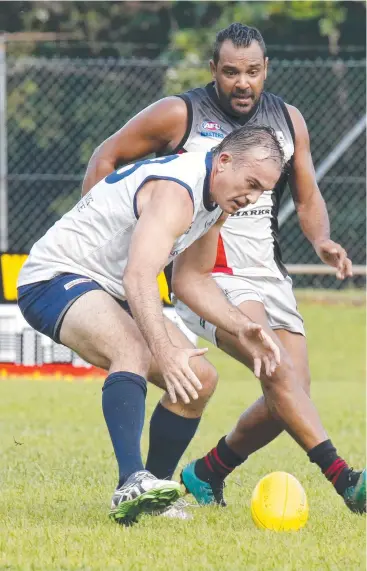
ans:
(248, 244)
(93, 238)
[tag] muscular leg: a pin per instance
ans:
(173, 426)
(101, 332)
(257, 427)
(286, 403)
(105, 335)
(202, 369)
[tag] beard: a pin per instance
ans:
(238, 110)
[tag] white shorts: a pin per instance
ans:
(171, 314)
(276, 296)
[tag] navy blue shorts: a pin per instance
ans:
(45, 304)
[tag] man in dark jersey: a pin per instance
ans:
(248, 268)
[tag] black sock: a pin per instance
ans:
(170, 435)
(218, 463)
(334, 468)
(123, 403)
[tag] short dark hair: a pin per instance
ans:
(240, 141)
(240, 35)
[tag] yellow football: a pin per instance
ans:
(279, 503)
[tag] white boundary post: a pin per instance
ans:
(321, 269)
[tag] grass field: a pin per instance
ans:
(57, 473)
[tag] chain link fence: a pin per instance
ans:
(331, 96)
(59, 110)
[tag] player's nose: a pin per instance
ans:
(242, 82)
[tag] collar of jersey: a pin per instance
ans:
(210, 206)
(212, 92)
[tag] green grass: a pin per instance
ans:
(57, 482)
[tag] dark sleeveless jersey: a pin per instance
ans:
(248, 244)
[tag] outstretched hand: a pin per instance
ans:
(263, 350)
(334, 255)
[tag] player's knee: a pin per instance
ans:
(208, 377)
(283, 376)
(288, 376)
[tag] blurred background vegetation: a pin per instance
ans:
(180, 29)
(77, 71)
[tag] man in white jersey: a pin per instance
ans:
(248, 266)
(97, 267)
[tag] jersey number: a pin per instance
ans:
(120, 174)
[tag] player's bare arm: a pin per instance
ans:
(192, 282)
(310, 205)
(158, 128)
(165, 213)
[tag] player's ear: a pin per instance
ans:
(266, 67)
(213, 68)
(224, 160)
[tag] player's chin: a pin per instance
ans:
(230, 208)
(242, 108)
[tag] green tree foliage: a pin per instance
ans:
(285, 25)
(60, 111)
(88, 29)
(154, 28)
